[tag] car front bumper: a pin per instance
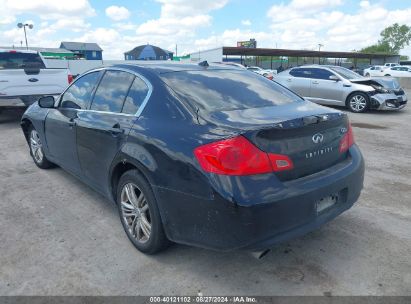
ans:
(280, 213)
(388, 101)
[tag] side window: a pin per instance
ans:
(295, 72)
(301, 72)
(136, 96)
(79, 93)
(372, 68)
(112, 91)
(321, 74)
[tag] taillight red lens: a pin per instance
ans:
(238, 156)
(347, 141)
(70, 78)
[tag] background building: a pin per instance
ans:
(84, 50)
(48, 53)
(287, 58)
(148, 52)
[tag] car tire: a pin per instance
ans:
(358, 102)
(139, 213)
(36, 150)
(387, 75)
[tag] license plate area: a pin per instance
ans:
(326, 203)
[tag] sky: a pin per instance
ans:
(193, 25)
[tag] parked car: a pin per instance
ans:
(398, 71)
(260, 71)
(338, 86)
(234, 64)
(374, 71)
(210, 156)
(273, 72)
(24, 78)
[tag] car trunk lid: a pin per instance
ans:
(308, 134)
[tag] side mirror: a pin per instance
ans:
(333, 77)
(46, 102)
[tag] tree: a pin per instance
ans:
(396, 36)
(393, 39)
(380, 47)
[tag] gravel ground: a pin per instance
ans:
(59, 237)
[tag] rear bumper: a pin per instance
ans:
(282, 211)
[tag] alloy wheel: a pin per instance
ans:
(135, 212)
(358, 103)
(36, 146)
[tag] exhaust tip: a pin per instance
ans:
(260, 254)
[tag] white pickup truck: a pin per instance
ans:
(24, 78)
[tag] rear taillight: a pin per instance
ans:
(70, 78)
(347, 141)
(238, 156)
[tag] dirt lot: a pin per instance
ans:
(58, 237)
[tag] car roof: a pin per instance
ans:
(169, 66)
(321, 66)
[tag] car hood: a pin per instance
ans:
(386, 82)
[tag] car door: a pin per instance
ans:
(103, 129)
(323, 89)
(379, 71)
(60, 123)
(298, 81)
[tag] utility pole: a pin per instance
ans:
(176, 50)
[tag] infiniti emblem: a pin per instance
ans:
(317, 138)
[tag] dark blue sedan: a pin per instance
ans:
(207, 155)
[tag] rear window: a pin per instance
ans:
(10, 60)
(225, 90)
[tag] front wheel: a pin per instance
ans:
(139, 213)
(36, 150)
(358, 102)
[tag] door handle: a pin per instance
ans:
(315, 82)
(116, 130)
(71, 122)
(289, 79)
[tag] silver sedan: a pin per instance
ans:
(338, 86)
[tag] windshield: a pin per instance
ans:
(346, 73)
(225, 90)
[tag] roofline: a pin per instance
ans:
(98, 48)
(228, 50)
